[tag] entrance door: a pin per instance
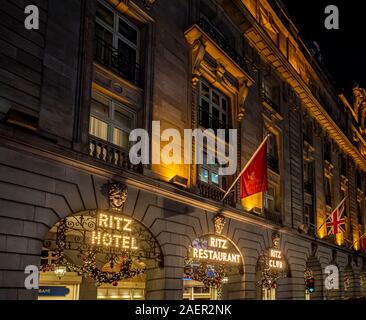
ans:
(194, 290)
(132, 289)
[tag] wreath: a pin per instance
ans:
(211, 276)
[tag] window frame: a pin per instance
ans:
(113, 106)
(222, 111)
(115, 30)
(211, 104)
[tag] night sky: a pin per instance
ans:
(343, 50)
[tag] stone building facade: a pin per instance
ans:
(72, 91)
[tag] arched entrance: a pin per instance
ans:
(214, 269)
(348, 283)
(272, 270)
(99, 254)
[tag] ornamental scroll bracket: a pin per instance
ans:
(242, 97)
(148, 4)
(198, 53)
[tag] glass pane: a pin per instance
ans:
(224, 104)
(215, 178)
(100, 109)
(205, 114)
(98, 128)
(127, 31)
(215, 118)
(122, 120)
(224, 120)
(103, 34)
(128, 53)
(104, 14)
(120, 138)
(215, 98)
(204, 175)
(205, 91)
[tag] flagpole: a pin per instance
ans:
(332, 212)
(245, 167)
(363, 236)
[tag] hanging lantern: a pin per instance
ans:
(60, 271)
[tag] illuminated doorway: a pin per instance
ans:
(81, 261)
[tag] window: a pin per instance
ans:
(110, 121)
(270, 94)
(117, 42)
(272, 154)
(308, 132)
(208, 173)
(213, 108)
(343, 165)
(309, 177)
(270, 199)
(327, 151)
(328, 192)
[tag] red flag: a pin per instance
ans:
(363, 243)
(254, 178)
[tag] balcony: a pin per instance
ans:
(272, 163)
(265, 98)
(214, 193)
(219, 49)
(113, 59)
(273, 216)
(103, 151)
(221, 42)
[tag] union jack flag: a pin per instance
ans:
(336, 222)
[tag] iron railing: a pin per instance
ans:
(214, 193)
(273, 216)
(269, 100)
(220, 40)
(114, 59)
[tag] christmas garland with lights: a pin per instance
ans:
(89, 267)
(211, 276)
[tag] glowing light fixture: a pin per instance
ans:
(179, 181)
(60, 271)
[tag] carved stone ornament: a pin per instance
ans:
(117, 194)
(242, 97)
(328, 169)
(148, 4)
(219, 223)
(360, 104)
(276, 240)
(198, 53)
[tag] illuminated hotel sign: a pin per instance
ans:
(215, 249)
(113, 231)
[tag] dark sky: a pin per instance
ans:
(343, 50)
